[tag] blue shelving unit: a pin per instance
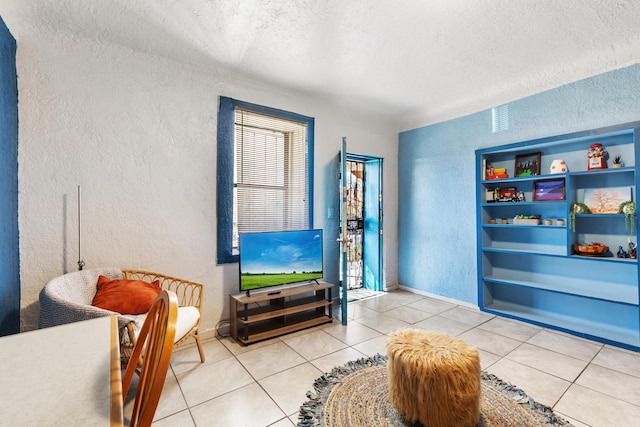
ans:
(530, 272)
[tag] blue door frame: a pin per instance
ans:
(9, 237)
(372, 253)
(373, 216)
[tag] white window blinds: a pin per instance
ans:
(270, 176)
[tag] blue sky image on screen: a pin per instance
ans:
(281, 252)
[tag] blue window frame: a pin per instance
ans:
(227, 172)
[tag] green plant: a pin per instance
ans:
(617, 160)
(577, 208)
(628, 208)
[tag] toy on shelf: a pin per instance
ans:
(596, 155)
(507, 194)
(496, 173)
(622, 253)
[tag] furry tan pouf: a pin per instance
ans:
(434, 378)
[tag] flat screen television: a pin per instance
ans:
(277, 258)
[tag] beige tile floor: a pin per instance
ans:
(264, 384)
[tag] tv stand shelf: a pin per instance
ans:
(287, 310)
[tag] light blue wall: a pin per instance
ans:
(9, 254)
(436, 163)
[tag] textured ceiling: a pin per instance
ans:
(415, 61)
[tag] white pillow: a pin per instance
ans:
(187, 318)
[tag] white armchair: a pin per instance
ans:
(68, 298)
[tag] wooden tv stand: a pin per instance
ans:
(269, 313)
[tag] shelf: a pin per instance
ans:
(523, 178)
(547, 209)
(539, 239)
(529, 250)
(523, 226)
(617, 134)
(601, 216)
(614, 292)
(582, 276)
(281, 292)
(511, 204)
(272, 329)
(606, 171)
(530, 272)
(605, 259)
(624, 177)
(263, 313)
(581, 326)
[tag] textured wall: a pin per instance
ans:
(138, 134)
(437, 248)
(9, 259)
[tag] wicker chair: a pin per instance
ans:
(189, 295)
(68, 298)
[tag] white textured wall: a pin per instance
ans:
(138, 134)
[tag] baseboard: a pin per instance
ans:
(439, 297)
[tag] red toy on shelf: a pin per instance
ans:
(596, 155)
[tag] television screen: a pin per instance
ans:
(279, 257)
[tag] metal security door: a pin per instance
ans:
(364, 223)
(355, 224)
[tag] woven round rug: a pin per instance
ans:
(357, 395)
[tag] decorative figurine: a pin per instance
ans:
(633, 254)
(521, 196)
(622, 253)
(558, 166)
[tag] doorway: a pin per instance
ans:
(355, 224)
(363, 211)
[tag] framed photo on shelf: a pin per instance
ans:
(549, 189)
(527, 164)
(606, 200)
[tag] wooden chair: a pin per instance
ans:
(150, 358)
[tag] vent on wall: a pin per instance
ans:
(500, 118)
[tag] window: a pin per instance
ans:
(265, 172)
(500, 118)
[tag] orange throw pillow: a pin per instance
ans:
(125, 296)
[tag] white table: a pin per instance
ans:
(66, 375)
